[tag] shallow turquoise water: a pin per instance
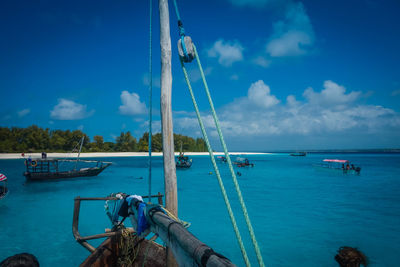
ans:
(300, 215)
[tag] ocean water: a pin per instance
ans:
(301, 215)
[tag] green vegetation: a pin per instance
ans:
(36, 139)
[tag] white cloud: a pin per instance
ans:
(23, 112)
(332, 94)
(331, 116)
(294, 35)
(260, 94)
(226, 52)
(131, 104)
(261, 61)
(69, 110)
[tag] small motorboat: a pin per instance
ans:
(243, 162)
(3, 186)
(342, 165)
(221, 158)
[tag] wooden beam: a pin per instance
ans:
(171, 198)
(166, 111)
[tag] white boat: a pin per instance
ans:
(341, 165)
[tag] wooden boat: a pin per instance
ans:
(49, 169)
(183, 162)
(46, 169)
(298, 154)
(340, 165)
(3, 186)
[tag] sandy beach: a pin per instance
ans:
(111, 154)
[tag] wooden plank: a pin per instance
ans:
(75, 223)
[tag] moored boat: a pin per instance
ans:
(342, 165)
(3, 186)
(243, 162)
(47, 169)
(44, 168)
(183, 162)
(222, 158)
(298, 154)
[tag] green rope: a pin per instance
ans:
(237, 187)
(150, 93)
(221, 184)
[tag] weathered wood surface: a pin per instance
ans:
(171, 198)
(188, 250)
(166, 110)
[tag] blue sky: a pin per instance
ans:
(283, 74)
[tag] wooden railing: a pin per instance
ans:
(75, 221)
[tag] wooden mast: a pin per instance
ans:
(80, 148)
(171, 198)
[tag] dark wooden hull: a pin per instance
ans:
(184, 165)
(107, 254)
(298, 154)
(40, 176)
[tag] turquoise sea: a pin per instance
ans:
(300, 215)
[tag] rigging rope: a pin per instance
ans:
(221, 184)
(150, 94)
(237, 187)
(218, 127)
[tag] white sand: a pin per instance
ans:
(110, 154)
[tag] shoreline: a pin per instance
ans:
(113, 154)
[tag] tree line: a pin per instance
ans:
(36, 139)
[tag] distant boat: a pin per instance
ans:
(243, 162)
(3, 186)
(298, 154)
(222, 158)
(47, 169)
(183, 162)
(342, 165)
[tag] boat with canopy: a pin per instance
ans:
(342, 165)
(3, 186)
(243, 162)
(40, 169)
